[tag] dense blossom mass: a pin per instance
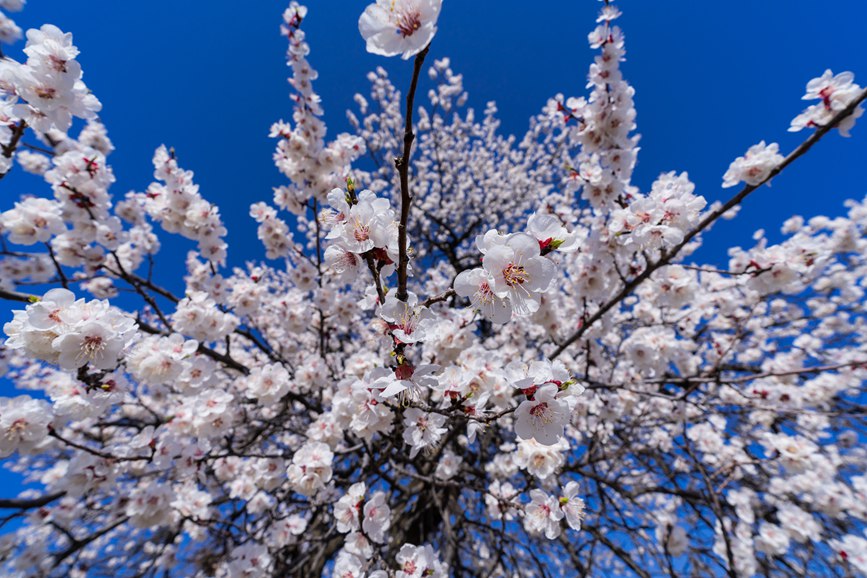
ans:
(463, 354)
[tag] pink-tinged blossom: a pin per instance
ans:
(250, 560)
(851, 550)
(49, 84)
(369, 223)
(551, 234)
(158, 360)
(377, 517)
(755, 166)
(406, 381)
(501, 500)
(71, 333)
(422, 429)
(199, 317)
(419, 562)
(24, 424)
(407, 320)
(518, 272)
(835, 92)
(175, 202)
(347, 510)
(543, 417)
(9, 31)
(572, 505)
(540, 460)
(149, 505)
(477, 285)
(344, 262)
(311, 468)
(349, 565)
(269, 384)
(772, 540)
(405, 27)
(33, 220)
(286, 531)
(359, 546)
(95, 343)
(543, 514)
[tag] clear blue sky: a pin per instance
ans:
(712, 78)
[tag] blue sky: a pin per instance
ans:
(712, 78)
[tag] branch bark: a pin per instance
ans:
(402, 165)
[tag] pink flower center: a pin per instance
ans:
(362, 233)
(92, 345)
(18, 425)
(539, 410)
(349, 260)
(408, 23)
(825, 94)
(45, 92)
(542, 413)
(484, 294)
(515, 275)
(57, 63)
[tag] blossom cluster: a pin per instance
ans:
(514, 275)
(601, 124)
(836, 93)
(46, 91)
(313, 166)
(9, 31)
(755, 166)
(177, 205)
(70, 332)
(661, 219)
(358, 227)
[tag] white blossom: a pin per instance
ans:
(405, 27)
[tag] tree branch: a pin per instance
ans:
(402, 165)
(667, 257)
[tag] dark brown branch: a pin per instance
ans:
(15, 296)
(402, 165)
(9, 149)
(24, 504)
(79, 544)
(438, 298)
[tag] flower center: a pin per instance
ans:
(541, 413)
(92, 345)
(46, 92)
(407, 23)
(825, 94)
(515, 275)
(18, 426)
(484, 295)
(362, 233)
(57, 63)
